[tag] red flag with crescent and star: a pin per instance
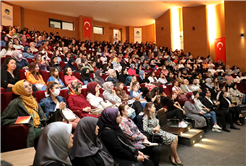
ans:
(87, 28)
(220, 49)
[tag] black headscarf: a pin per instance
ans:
(86, 142)
(85, 76)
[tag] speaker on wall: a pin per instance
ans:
(193, 28)
(161, 28)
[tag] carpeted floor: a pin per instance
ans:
(216, 149)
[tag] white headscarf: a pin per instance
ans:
(53, 144)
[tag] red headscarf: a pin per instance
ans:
(91, 86)
(188, 95)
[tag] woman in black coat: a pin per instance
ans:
(116, 142)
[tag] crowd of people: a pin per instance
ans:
(105, 124)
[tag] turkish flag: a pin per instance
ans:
(220, 49)
(87, 28)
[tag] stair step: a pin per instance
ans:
(191, 137)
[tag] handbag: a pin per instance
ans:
(106, 104)
(181, 97)
(56, 116)
(96, 111)
(68, 114)
(131, 148)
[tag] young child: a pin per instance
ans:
(136, 94)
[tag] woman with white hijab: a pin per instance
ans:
(88, 149)
(53, 145)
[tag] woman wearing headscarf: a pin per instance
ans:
(77, 102)
(236, 95)
(110, 94)
(27, 53)
(93, 95)
(24, 41)
(132, 70)
(88, 150)
(21, 62)
(116, 63)
(112, 77)
(98, 77)
(193, 112)
(85, 76)
(116, 142)
(122, 75)
(24, 105)
(43, 64)
(53, 145)
(142, 77)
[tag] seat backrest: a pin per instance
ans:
(6, 98)
(45, 75)
(104, 76)
(64, 93)
(162, 117)
(39, 95)
(61, 76)
(92, 76)
(62, 64)
(22, 74)
(140, 122)
(84, 92)
(77, 75)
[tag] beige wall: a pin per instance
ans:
(163, 37)
(235, 24)
(195, 41)
(40, 20)
(148, 33)
(106, 36)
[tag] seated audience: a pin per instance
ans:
(7, 50)
(122, 75)
(26, 105)
(151, 125)
(34, 77)
(27, 53)
(132, 70)
(68, 77)
(131, 131)
(142, 77)
(9, 74)
(77, 101)
(111, 77)
(54, 76)
(174, 110)
(193, 112)
(208, 102)
(152, 79)
(42, 63)
(55, 63)
(227, 106)
(186, 87)
(93, 95)
(85, 76)
(88, 150)
(110, 94)
(21, 62)
(207, 112)
(54, 144)
(116, 142)
(98, 77)
(17, 45)
(236, 95)
(54, 102)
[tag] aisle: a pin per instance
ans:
(216, 149)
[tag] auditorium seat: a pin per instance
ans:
(39, 95)
(45, 75)
(62, 64)
(61, 76)
(6, 98)
(77, 75)
(104, 76)
(22, 74)
(76, 66)
(2, 60)
(92, 76)
(29, 60)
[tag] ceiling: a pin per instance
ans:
(126, 13)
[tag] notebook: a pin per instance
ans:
(23, 119)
